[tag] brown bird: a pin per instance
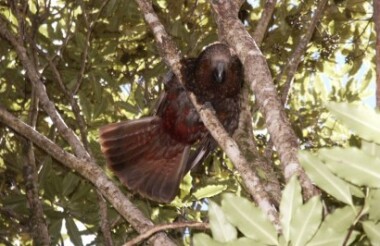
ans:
(151, 155)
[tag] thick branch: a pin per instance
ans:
(90, 171)
(248, 146)
(172, 57)
(244, 133)
(257, 74)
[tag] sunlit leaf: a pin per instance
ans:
(373, 231)
(202, 239)
(291, 200)
(250, 220)
(334, 228)
(306, 221)
(323, 177)
(209, 191)
(373, 204)
(221, 229)
(361, 119)
(353, 165)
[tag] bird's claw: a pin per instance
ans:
(208, 105)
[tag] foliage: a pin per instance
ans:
(348, 175)
(107, 61)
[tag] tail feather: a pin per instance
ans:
(144, 157)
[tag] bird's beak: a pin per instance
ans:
(219, 72)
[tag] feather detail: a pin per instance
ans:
(144, 157)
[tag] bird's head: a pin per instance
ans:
(217, 73)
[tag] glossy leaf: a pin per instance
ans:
(334, 228)
(221, 229)
(361, 119)
(291, 200)
(209, 191)
(373, 204)
(306, 221)
(323, 177)
(353, 165)
(250, 220)
(373, 231)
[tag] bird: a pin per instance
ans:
(151, 155)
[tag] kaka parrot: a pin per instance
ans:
(151, 155)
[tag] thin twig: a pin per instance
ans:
(104, 223)
(34, 76)
(38, 223)
(294, 61)
(144, 236)
(262, 25)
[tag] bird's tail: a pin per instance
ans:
(144, 157)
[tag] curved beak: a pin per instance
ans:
(219, 72)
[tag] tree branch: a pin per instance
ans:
(171, 226)
(172, 57)
(244, 134)
(262, 25)
(38, 223)
(104, 223)
(294, 61)
(45, 102)
(258, 76)
(88, 170)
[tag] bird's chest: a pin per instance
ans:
(180, 119)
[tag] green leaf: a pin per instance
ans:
(353, 165)
(73, 232)
(327, 237)
(333, 230)
(83, 190)
(371, 148)
(291, 200)
(323, 177)
(250, 220)
(80, 40)
(55, 227)
(373, 231)
(209, 191)
(356, 191)
(340, 220)
(245, 242)
(361, 119)
(306, 221)
(221, 229)
(69, 183)
(373, 204)
(202, 239)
